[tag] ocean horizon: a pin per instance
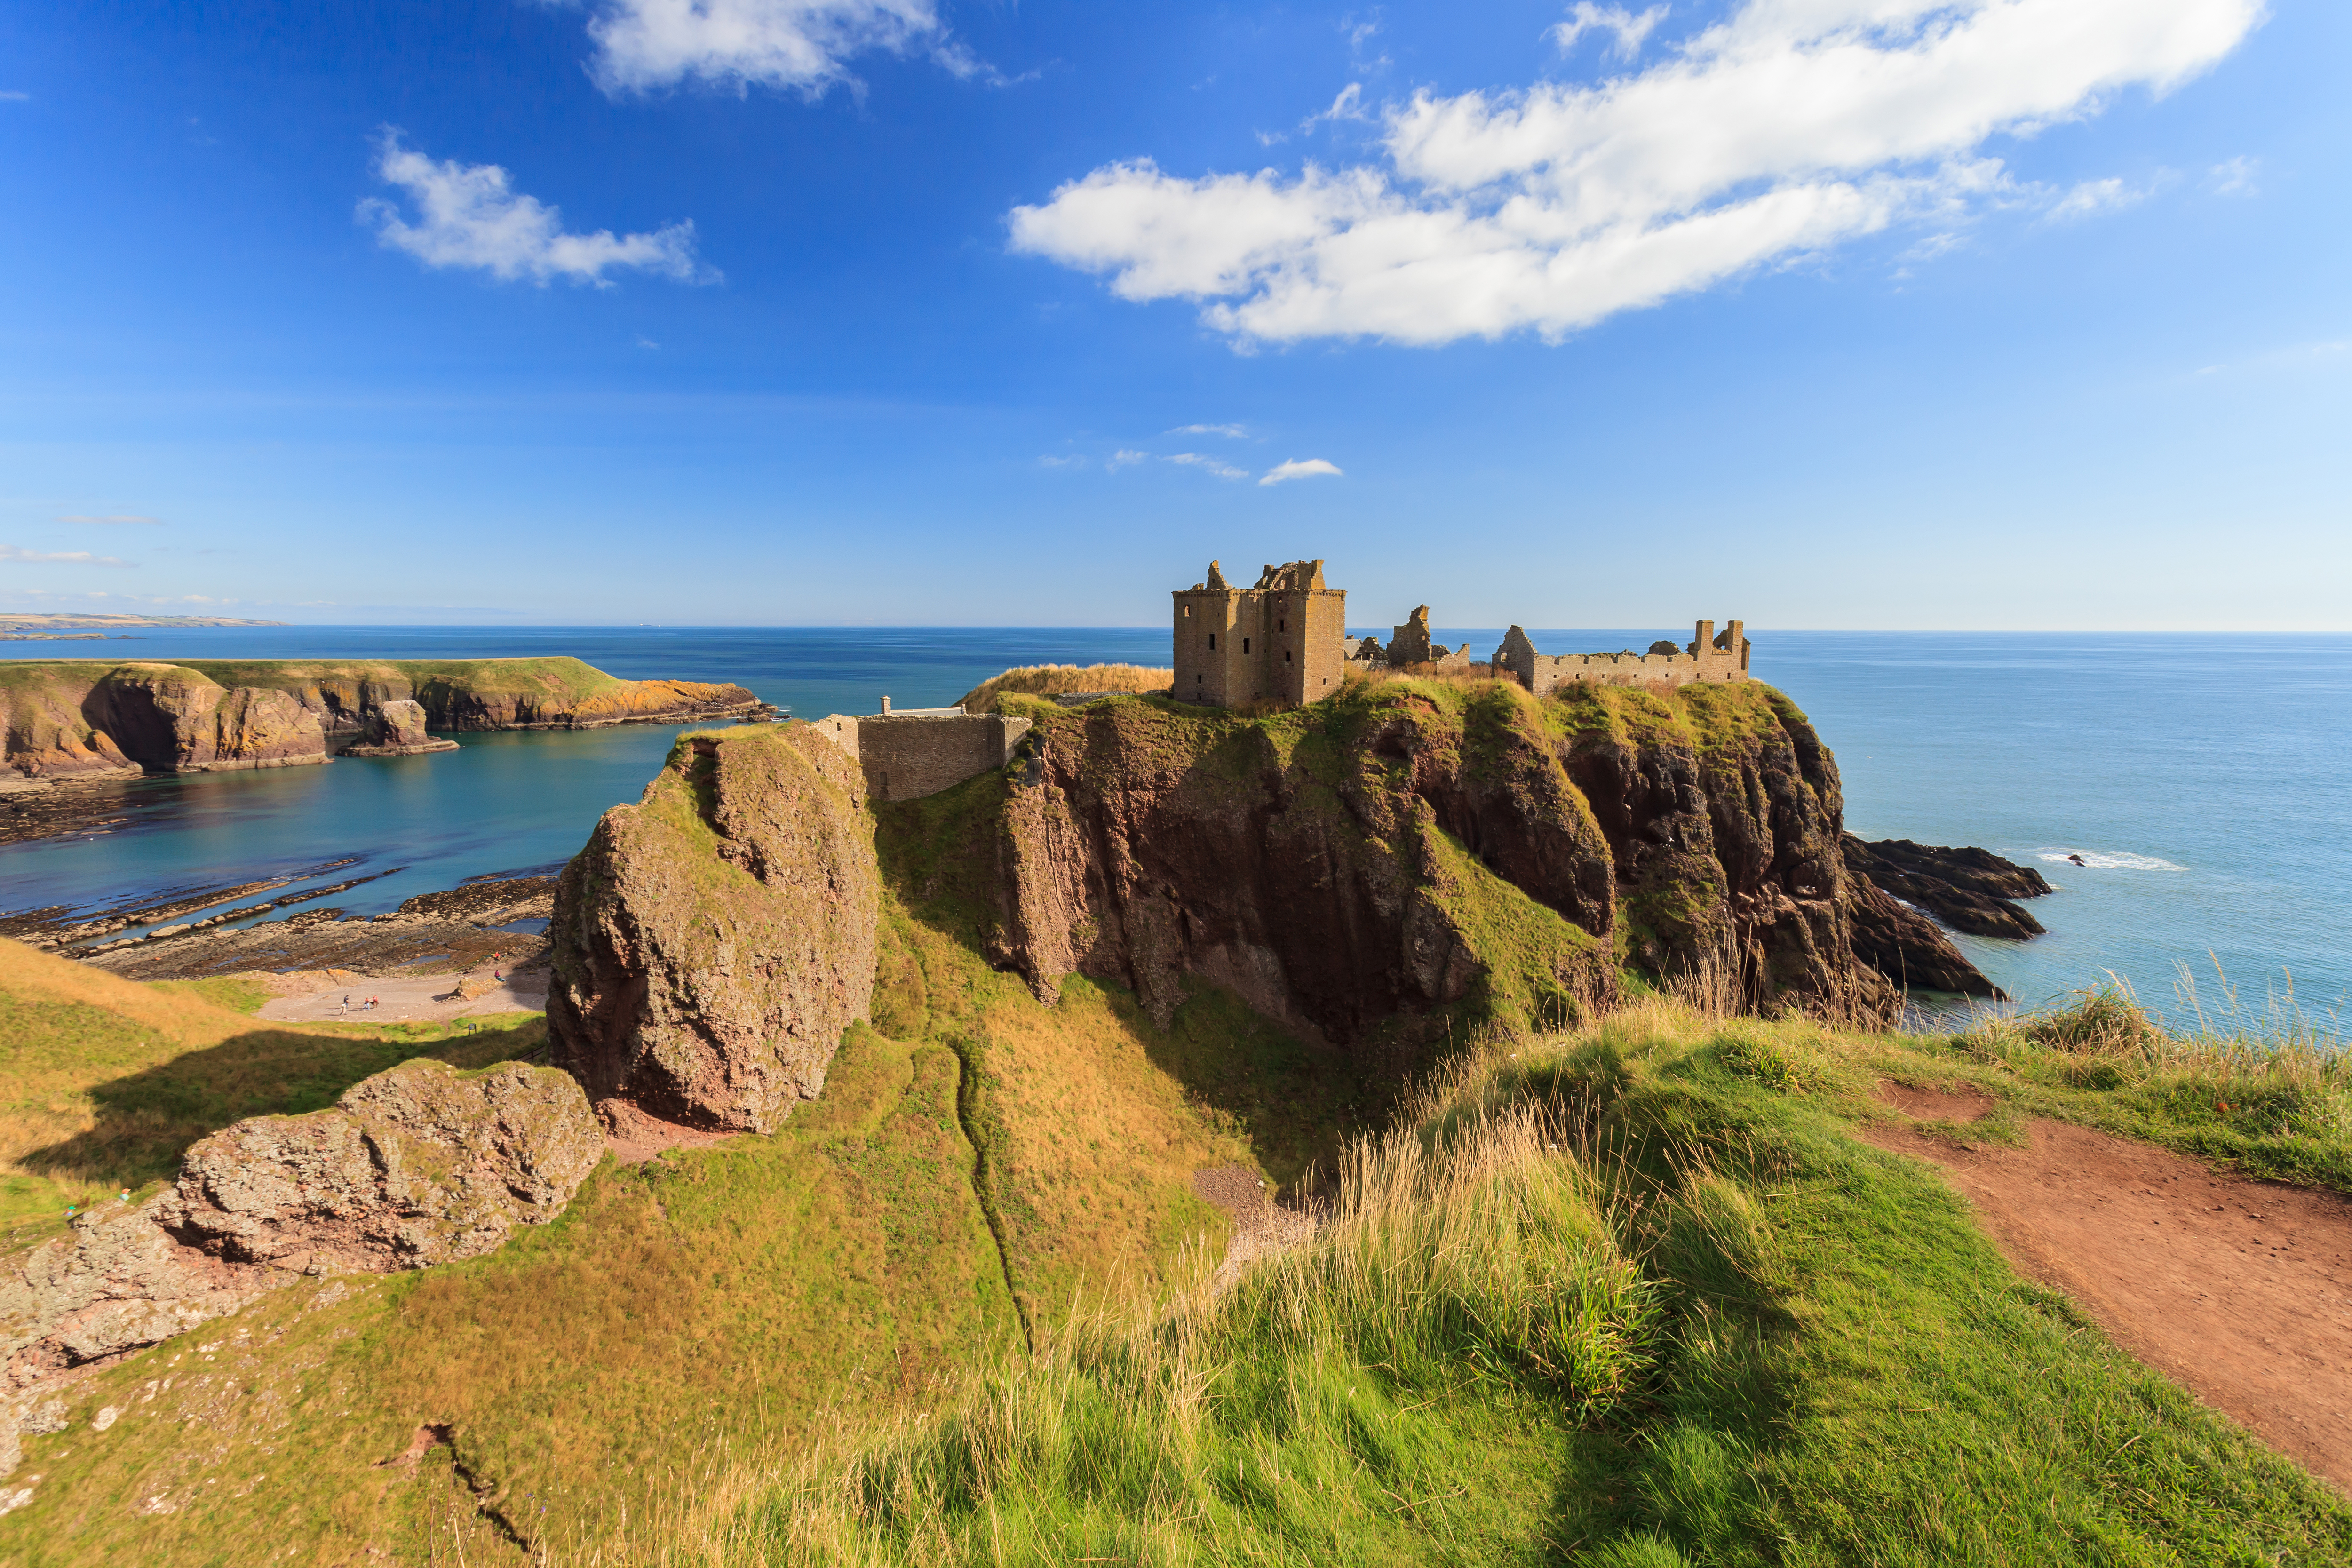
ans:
(2203, 778)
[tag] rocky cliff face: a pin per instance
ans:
(712, 942)
(419, 1165)
(1311, 862)
(1359, 859)
(67, 721)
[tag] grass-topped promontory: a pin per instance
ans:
(1594, 1283)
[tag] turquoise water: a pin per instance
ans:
(2207, 780)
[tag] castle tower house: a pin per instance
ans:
(1282, 640)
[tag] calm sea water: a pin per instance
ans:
(2205, 780)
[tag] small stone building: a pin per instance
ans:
(1283, 640)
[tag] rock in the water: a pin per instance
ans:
(1969, 890)
(419, 1166)
(712, 942)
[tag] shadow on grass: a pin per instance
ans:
(146, 1120)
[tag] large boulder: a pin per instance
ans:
(419, 1166)
(713, 940)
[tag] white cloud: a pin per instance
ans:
(1218, 466)
(1294, 470)
(1789, 128)
(1348, 105)
(801, 45)
(1062, 462)
(13, 97)
(118, 517)
(470, 219)
(1584, 18)
(2234, 177)
(1123, 457)
(2093, 197)
(58, 557)
(1238, 432)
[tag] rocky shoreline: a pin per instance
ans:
(460, 929)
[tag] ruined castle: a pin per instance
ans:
(1285, 640)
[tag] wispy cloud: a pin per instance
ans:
(1348, 105)
(2233, 177)
(1071, 461)
(1787, 128)
(1206, 464)
(1297, 470)
(58, 557)
(1584, 18)
(801, 46)
(469, 216)
(12, 96)
(2093, 197)
(115, 519)
(1125, 457)
(1238, 432)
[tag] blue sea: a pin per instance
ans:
(2204, 780)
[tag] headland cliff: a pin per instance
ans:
(77, 719)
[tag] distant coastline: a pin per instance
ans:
(11, 622)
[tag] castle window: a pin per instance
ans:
(1286, 656)
(1246, 645)
(1213, 640)
(1282, 625)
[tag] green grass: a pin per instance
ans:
(1632, 1295)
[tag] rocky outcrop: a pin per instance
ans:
(1969, 890)
(1909, 948)
(419, 1166)
(89, 720)
(712, 942)
(396, 728)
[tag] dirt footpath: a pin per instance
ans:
(2238, 1290)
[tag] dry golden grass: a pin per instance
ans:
(104, 1081)
(1049, 679)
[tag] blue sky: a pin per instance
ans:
(1824, 313)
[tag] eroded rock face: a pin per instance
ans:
(712, 942)
(1906, 947)
(419, 1166)
(1145, 845)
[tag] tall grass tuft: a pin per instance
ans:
(1049, 679)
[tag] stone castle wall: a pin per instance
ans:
(1707, 658)
(906, 756)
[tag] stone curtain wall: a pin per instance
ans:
(909, 756)
(1543, 674)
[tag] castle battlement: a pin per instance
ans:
(916, 752)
